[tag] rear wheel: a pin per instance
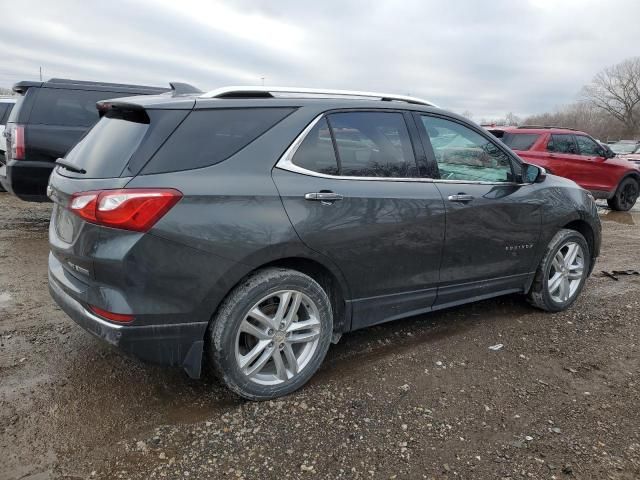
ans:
(626, 195)
(271, 334)
(562, 272)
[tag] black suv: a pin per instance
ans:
(256, 225)
(47, 120)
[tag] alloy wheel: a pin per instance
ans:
(628, 195)
(278, 337)
(566, 272)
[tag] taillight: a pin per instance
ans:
(136, 209)
(17, 142)
(114, 317)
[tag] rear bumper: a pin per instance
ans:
(26, 180)
(167, 344)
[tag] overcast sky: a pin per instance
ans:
(485, 57)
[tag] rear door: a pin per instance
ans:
(493, 223)
(354, 192)
(564, 156)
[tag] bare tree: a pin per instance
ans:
(616, 91)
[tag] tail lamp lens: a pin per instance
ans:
(136, 209)
(17, 142)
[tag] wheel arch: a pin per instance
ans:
(586, 230)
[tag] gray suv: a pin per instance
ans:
(253, 226)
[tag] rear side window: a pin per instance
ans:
(562, 144)
(207, 137)
(106, 149)
(13, 114)
(69, 108)
(520, 141)
(373, 144)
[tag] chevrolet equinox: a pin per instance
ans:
(251, 226)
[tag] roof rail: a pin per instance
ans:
(549, 127)
(268, 92)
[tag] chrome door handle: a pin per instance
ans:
(460, 198)
(327, 197)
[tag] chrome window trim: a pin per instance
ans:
(228, 91)
(285, 162)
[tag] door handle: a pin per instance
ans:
(461, 197)
(327, 198)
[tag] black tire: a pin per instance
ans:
(223, 332)
(626, 195)
(539, 295)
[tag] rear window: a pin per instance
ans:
(70, 108)
(519, 141)
(106, 149)
(207, 137)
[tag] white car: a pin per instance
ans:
(6, 105)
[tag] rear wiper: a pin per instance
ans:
(70, 167)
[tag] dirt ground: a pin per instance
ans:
(420, 398)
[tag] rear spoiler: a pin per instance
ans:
(122, 110)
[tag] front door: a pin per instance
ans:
(353, 193)
(493, 224)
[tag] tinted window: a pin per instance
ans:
(207, 137)
(463, 154)
(562, 144)
(4, 108)
(72, 108)
(373, 144)
(588, 146)
(106, 149)
(316, 151)
(520, 141)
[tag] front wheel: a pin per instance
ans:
(562, 272)
(626, 195)
(271, 334)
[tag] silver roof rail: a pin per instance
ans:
(267, 92)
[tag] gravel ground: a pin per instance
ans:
(419, 398)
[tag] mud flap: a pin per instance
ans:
(192, 362)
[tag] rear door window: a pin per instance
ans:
(373, 144)
(520, 141)
(562, 143)
(207, 137)
(316, 151)
(69, 108)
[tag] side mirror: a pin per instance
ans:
(606, 152)
(533, 173)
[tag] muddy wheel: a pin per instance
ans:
(562, 272)
(271, 334)
(625, 196)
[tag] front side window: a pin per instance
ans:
(463, 154)
(588, 146)
(562, 143)
(373, 144)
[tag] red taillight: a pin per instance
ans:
(17, 142)
(136, 209)
(114, 317)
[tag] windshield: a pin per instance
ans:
(624, 147)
